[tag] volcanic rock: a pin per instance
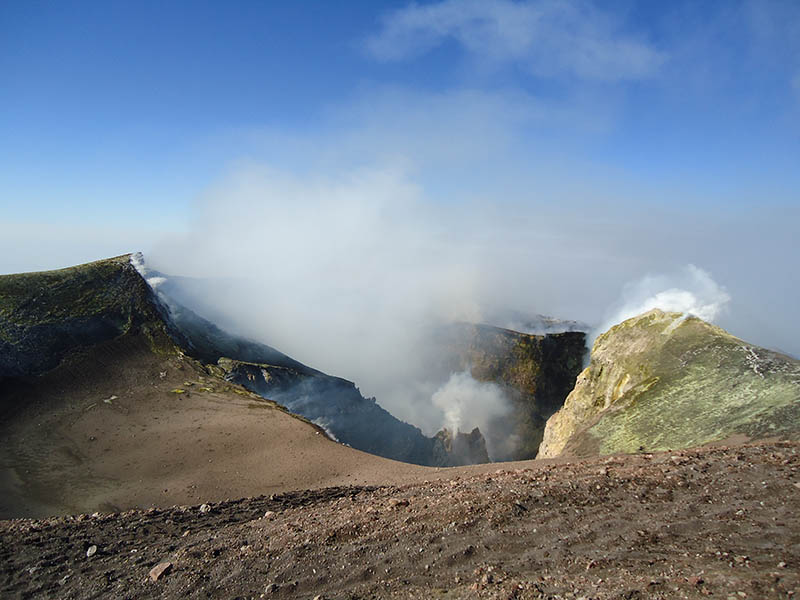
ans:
(665, 381)
(461, 448)
(160, 570)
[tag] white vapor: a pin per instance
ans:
(690, 291)
(347, 245)
(348, 274)
(467, 403)
(352, 273)
(551, 38)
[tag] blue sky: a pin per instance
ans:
(105, 104)
(646, 135)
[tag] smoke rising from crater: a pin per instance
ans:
(467, 404)
(351, 273)
(347, 247)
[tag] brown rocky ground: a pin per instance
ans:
(720, 522)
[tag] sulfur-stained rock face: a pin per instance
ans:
(664, 381)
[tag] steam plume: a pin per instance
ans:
(467, 404)
(690, 290)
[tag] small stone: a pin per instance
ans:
(271, 588)
(91, 551)
(781, 565)
(395, 502)
(204, 508)
(797, 485)
(160, 570)
(269, 514)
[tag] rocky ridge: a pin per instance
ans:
(44, 316)
(666, 380)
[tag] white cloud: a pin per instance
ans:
(551, 38)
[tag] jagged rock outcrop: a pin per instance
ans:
(664, 381)
(461, 448)
(535, 372)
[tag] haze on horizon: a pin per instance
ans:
(353, 173)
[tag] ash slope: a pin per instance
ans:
(664, 380)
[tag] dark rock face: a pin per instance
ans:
(337, 406)
(536, 372)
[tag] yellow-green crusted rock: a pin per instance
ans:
(663, 381)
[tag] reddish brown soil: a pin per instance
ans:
(719, 522)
